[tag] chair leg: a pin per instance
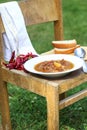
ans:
(52, 108)
(4, 107)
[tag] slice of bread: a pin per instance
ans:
(64, 44)
(65, 51)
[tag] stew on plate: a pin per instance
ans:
(53, 66)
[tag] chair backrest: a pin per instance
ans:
(40, 11)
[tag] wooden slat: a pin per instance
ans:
(39, 11)
(26, 81)
(72, 99)
(72, 81)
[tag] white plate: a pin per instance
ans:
(30, 64)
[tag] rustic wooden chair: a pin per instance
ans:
(35, 12)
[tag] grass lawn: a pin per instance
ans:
(28, 110)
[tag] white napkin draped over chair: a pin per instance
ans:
(16, 37)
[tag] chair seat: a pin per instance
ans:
(39, 84)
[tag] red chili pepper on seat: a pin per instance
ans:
(17, 63)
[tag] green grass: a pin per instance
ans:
(28, 110)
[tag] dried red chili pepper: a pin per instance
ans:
(17, 63)
(12, 57)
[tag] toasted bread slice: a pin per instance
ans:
(65, 51)
(64, 44)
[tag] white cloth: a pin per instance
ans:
(16, 37)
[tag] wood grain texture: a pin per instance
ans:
(39, 11)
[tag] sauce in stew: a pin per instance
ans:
(54, 66)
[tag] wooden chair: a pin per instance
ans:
(35, 12)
